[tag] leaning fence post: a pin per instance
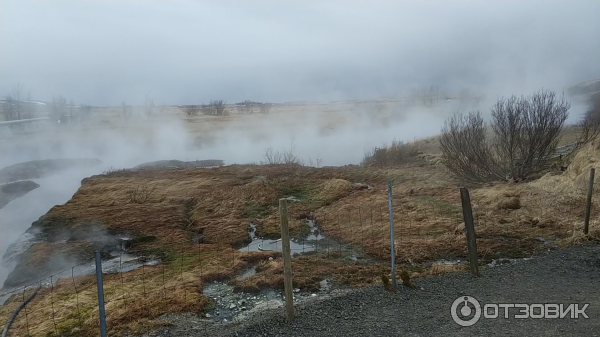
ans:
(470, 228)
(101, 312)
(392, 248)
(287, 260)
(588, 206)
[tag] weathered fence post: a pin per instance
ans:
(287, 260)
(392, 246)
(470, 228)
(100, 286)
(588, 206)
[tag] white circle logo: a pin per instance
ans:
(466, 311)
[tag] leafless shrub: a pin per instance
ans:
(397, 153)
(265, 108)
(141, 194)
(10, 108)
(316, 163)
(191, 110)
(214, 108)
(466, 151)
(526, 133)
(13, 104)
(246, 107)
(273, 157)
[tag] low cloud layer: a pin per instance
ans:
(103, 52)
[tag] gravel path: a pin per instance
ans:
(558, 276)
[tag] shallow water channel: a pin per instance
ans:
(313, 241)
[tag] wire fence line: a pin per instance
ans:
(222, 284)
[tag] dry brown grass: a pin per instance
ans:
(217, 205)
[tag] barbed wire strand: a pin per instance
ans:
(26, 316)
(52, 304)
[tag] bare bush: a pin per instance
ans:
(466, 151)
(246, 107)
(10, 108)
(526, 132)
(284, 157)
(265, 108)
(316, 163)
(191, 110)
(214, 108)
(13, 105)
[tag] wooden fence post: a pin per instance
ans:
(588, 206)
(287, 260)
(392, 247)
(470, 228)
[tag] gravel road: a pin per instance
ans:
(557, 276)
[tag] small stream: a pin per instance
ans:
(313, 241)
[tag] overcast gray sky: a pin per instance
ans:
(103, 52)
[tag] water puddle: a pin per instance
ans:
(313, 241)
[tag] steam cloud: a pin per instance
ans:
(102, 53)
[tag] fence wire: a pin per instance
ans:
(216, 285)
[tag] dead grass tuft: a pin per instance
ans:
(439, 268)
(509, 203)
